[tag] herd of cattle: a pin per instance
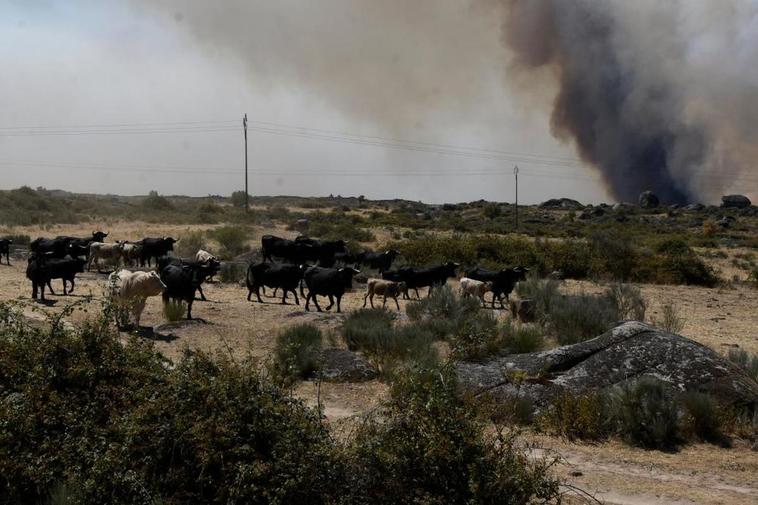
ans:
(325, 268)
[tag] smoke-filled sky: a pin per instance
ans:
(431, 100)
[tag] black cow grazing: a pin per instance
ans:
(38, 273)
(154, 248)
(381, 261)
(76, 246)
(183, 281)
(5, 249)
(431, 277)
(331, 282)
(503, 281)
(214, 266)
(66, 270)
(282, 276)
(51, 247)
(301, 250)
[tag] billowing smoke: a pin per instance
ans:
(647, 91)
(654, 95)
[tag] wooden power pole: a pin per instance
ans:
(244, 128)
(515, 174)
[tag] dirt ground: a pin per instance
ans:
(721, 318)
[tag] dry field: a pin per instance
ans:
(720, 318)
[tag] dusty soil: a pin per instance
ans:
(721, 318)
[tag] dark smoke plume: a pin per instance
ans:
(629, 127)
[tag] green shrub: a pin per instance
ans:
(628, 301)
(746, 361)
(670, 320)
(296, 353)
(239, 198)
(476, 337)
(189, 243)
(174, 310)
(444, 312)
(233, 240)
(647, 414)
(702, 417)
(232, 273)
(583, 417)
(518, 339)
(576, 318)
(429, 448)
(372, 332)
(154, 201)
(91, 420)
(542, 292)
(614, 255)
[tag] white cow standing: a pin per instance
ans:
(129, 291)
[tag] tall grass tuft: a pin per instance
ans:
(746, 361)
(174, 310)
(296, 353)
(647, 413)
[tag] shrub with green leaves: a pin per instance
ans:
(628, 301)
(745, 360)
(174, 310)
(233, 240)
(519, 339)
(647, 414)
(385, 344)
(669, 320)
(232, 273)
(429, 448)
(189, 243)
(583, 417)
(702, 417)
(296, 353)
(576, 318)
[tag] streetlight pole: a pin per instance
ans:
(515, 174)
(247, 193)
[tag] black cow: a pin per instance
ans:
(301, 250)
(415, 278)
(381, 261)
(50, 247)
(331, 282)
(282, 276)
(5, 249)
(66, 270)
(41, 269)
(214, 266)
(154, 248)
(76, 246)
(503, 281)
(183, 281)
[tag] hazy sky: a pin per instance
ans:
(350, 70)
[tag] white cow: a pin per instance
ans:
(472, 287)
(129, 291)
(102, 251)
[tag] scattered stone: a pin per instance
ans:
(629, 351)
(735, 201)
(301, 225)
(649, 200)
(561, 203)
(575, 473)
(341, 365)
(694, 207)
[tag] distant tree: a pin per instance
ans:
(156, 202)
(491, 210)
(238, 198)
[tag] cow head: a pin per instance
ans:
(450, 268)
(520, 273)
(153, 284)
(392, 253)
(99, 236)
(170, 241)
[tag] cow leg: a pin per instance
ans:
(331, 302)
(34, 290)
(301, 288)
(72, 281)
(139, 306)
(276, 290)
(50, 287)
(307, 302)
(249, 293)
(501, 301)
(258, 293)
(284, 296)
(189, 308)
(202, 295)
(339, 299)
(315, 302)
(64, 288)
(365, 298)
(384, 301)
(396, 304)
(294, 292)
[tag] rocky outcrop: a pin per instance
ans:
(627, 352)
(735, 201)
(561, 203)
(341, 365)
(648, 200)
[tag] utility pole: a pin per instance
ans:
(515, 174)
(244, 128)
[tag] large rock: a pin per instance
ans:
(561, 203)
(625, 353)
(341, 365)
(649, 200)
(735, 201)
